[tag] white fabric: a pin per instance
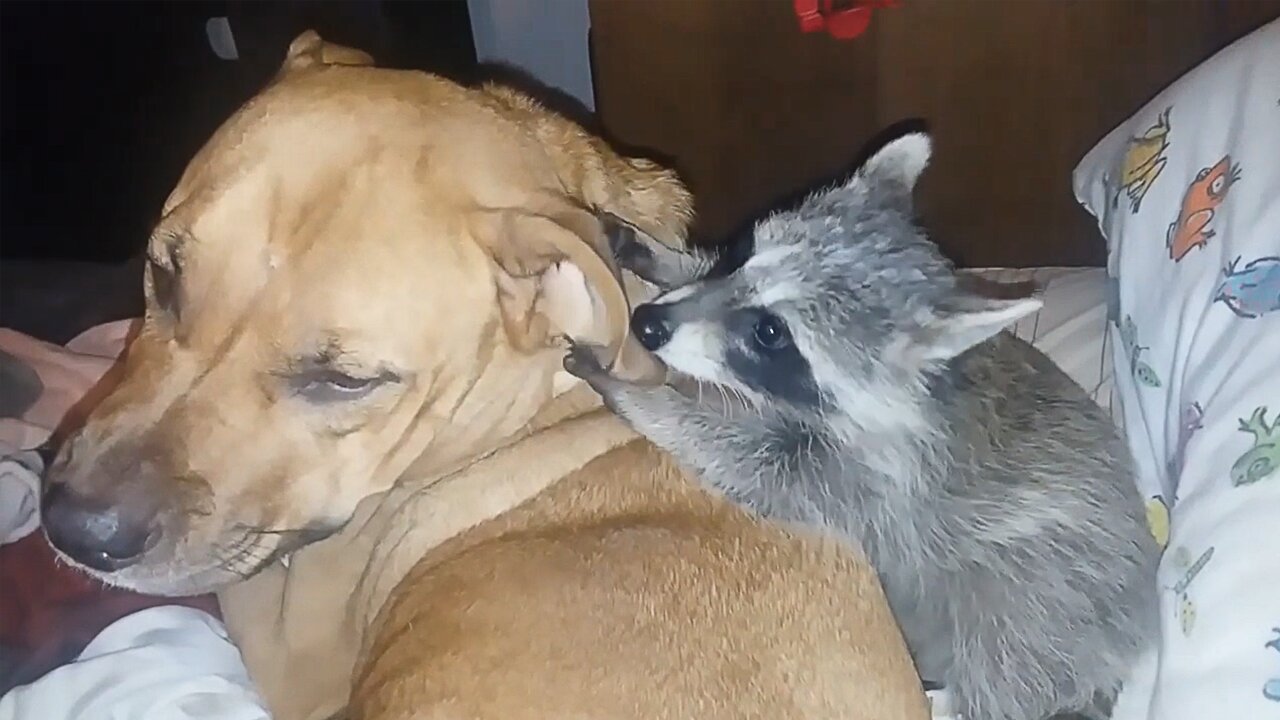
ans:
(1187, 194)
(940, 705)
(19, 495)
(162, 663)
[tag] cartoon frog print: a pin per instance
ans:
(1252, 290)
(1158, 520)
(1199, 205)
(1185, 607)
(1271, 689)
(1144, 159)
(1261, 460)
(1142, 371)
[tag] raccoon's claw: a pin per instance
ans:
(583, 361)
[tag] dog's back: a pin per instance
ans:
(625, 592)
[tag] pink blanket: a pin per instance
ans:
(66, 374)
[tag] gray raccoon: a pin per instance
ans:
(844, 378)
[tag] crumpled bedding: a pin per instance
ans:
(41, 382)
(50, 612)
(167, 662)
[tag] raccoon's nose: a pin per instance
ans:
(651, 326)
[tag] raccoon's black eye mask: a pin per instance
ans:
(766, 358)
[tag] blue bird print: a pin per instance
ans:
(1252, 290)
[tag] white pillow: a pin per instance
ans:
(1187, 194)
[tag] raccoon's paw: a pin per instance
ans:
(586, 361)
(631, 254)
(628, 250)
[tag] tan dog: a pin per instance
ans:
(363, 278)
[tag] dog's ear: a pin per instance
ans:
(555, 277)
(311, 50)
(639, 191)
(643, 194)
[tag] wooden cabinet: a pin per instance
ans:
(1015, 92)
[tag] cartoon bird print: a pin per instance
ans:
(1199, 205)
(1261, 460)
(1142, 372)
(1143, 160)
(1185, 609)
(1252, 290)
(1271, 689)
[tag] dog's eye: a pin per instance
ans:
(771, 333)
(164, 288)
(329, 386)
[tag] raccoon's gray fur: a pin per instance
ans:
(845, 379)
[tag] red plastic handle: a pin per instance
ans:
(841, 19)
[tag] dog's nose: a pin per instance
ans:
(651, 325)
(103, 538)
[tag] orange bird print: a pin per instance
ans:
(1203, 197)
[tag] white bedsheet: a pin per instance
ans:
(162, 663)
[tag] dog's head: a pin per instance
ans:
(363, 269)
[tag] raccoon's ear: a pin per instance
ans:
(891, 173)
(968, 321)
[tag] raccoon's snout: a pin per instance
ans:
(651, 325)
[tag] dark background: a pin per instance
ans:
(105, 102)
(1015, 92)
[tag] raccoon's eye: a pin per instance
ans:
(771, 333)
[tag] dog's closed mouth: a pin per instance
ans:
(258, 548)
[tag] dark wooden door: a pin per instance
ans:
(1015, 92)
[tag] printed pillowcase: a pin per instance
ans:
(1187, 194)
